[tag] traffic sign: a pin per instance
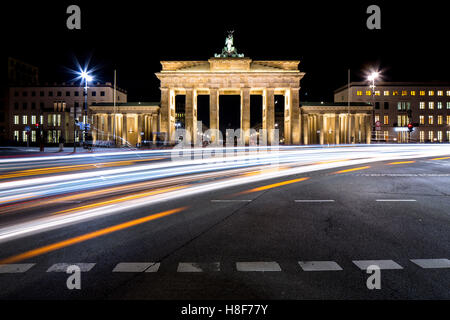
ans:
(27, 128)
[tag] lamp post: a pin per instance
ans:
(85, 75)
(372, 77)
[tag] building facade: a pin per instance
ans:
(50, 111)
(396, 104)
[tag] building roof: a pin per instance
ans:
(125, 104)
(395, 84)
(69, 85)
(333, 104)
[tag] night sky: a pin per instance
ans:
(133, 36)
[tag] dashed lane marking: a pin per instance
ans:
(432, 263)
(269, 266)
(395, 200)
(62, 267)
(16, 268)
(231, 200)
(319, 266)
(198, 267)
(313, 201)
(136, 267)
(382, 264)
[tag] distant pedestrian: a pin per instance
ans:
(61, 144)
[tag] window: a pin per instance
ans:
(41, 119)
(377, 118)
(94, 93)
(386, 135)
(25, 93)
(377, 105)
(404, 93)
(50, 93)
(33, 136)
(16, 119)
(448, 119)
(67, 93)
(440, 120)
(431, 93)
(359, 93)
(24, 119)
(422, 119)
(448, 135)
(16, 135)
(33, 93)
(413, 93)
(440, 93)
(33, 119)
(76, 93)
(41, 93)
(422, 136)
(422, 93)
(42, 105)
(59, 93)
(386, 120)
(448, 105)
(16, 94)
(102, 93)
(431, 105)
(33, 106)
(16, 106)
(386, 93)
(24, 136)
(448, 93)
(430, 135)
(439, 105)
(24, 106)
(368, 93)
(377, 93)
(76, 104)
(395, 93)
(430, 120)
(439, 136)
(422, 105)
(386, 106)
(402, 120)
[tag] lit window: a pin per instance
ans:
(448, 93)
(439, 105)
(430, 120)
(448, 105)
(404, 93)
(359, 93)
(33, 119)
(439, 136)
(386, 93)
(431, 93)
(377, 118)
(386, 120)
(431, 105)
(422, 93)
(24, 120)
(448, 135)
(430, 135)
(16, 135)
(413, 93)
(395, 93)
(422, 136)
(16, 119)
(440, 93)
(422, 105)
(368, 93)
(33, 136)
(422, 119)
(448, 119)
(377, 93)
(440, 120)
(386, 135)
(24, 136)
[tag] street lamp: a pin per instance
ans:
(86, 77)
(371, 78)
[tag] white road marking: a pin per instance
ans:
(198, 267)
(132, 266)
(231, 200)
(396, 200)
(308, 201)
(258, 266)
(15, 268)
(382, 264)
(432, 263)
(62, 267)
(319, 266)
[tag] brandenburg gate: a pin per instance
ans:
(229, 73)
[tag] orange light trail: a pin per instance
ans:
(275, 185)
(88, 236)
(353, 169)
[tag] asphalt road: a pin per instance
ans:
(302, 227)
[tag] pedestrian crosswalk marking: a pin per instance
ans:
(62, 267)
(16, 268)
(258, 266)
(432, 263)
(382, 264)
(198, 267)
(319, 266)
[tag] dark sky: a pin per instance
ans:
(328, 38)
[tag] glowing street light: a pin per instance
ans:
(371, 78)
(84, 74)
